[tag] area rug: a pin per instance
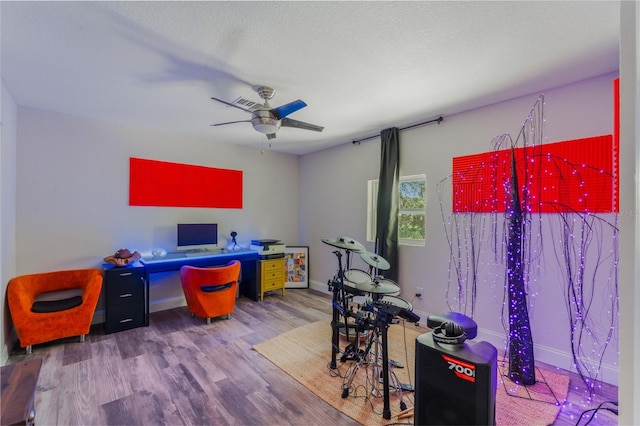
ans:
(305, 354)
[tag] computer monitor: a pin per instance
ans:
(197, 236)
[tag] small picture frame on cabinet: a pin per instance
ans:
(296, 267)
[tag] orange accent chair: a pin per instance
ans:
(43, 321)
(211, 292)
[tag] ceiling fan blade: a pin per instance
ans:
(288, 122)
(286, 109)
(271, 136)
(233, 105)
(231, 122)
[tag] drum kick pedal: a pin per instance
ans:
(392, 362)
(395, 363)
(407, 387)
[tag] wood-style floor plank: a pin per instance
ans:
(180, 370)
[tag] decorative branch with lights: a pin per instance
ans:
(506, 200)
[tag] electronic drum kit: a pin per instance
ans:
(381, 307)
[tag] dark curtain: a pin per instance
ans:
(388, 201)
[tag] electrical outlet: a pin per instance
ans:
(418, 291)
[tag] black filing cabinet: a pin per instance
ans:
(126, 297)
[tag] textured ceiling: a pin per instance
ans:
(360, 66)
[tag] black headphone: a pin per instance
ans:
(449, 333)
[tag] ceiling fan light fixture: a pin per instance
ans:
(266, 125)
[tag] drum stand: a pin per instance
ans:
(380, 326)
(340, 308)
(361, 357)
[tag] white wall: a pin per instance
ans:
(8, 112)
(333, 203)
(629, 390)
(73, 188)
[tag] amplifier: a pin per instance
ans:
(455, 384)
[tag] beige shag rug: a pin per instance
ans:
(305, 354)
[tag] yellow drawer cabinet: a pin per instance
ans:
(271, 275)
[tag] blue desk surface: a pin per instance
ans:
(173, 261)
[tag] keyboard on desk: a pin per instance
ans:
(203, 253)
(198, 253)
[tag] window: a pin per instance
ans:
(411, 214)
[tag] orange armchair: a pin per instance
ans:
(211, 292)
(58, 319)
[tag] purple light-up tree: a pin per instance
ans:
(521, 361)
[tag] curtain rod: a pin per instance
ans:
(438, 120)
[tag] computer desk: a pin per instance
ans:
(173, 261)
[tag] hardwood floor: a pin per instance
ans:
(180, 370)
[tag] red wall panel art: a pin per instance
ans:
(573, 176)
(160, 183)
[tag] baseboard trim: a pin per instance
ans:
(9, 343)
(98, 317)
(318, 286)
(4, 355)
(166, 304)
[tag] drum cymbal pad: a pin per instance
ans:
(374, 260)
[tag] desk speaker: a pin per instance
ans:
(455, 384)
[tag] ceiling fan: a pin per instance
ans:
(268, 120)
